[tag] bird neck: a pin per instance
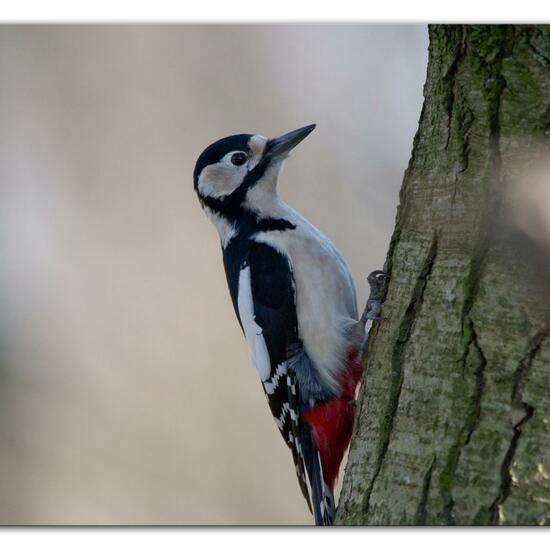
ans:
(262, 200)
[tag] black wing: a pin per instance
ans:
(274, 299)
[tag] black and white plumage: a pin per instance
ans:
(295, 300)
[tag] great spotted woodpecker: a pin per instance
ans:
(295, 301)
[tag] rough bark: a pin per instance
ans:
(453, 416)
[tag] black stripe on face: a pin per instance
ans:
(229, 206)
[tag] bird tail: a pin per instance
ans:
(329, 428)
(322, 497)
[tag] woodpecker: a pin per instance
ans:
(295, 300)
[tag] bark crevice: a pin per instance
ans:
(450, 80)
(479, 373)
(521, 375)
(524, 367)
(421, 511)
(505, 469)
(472, 353)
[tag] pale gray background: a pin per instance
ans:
(126, 394)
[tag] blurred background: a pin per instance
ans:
(126, 394)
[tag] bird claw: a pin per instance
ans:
(377, 280)
(375, 318)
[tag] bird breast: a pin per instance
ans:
(325, 295)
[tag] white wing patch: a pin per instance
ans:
(252, 331)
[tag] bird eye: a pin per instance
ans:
(238, 159)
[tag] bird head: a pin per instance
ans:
(230, 168)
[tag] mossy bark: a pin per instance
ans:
(453, 416)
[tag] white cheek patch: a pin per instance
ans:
(220, 179)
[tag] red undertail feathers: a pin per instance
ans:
(331, 423)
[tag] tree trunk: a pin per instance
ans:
(453, 415)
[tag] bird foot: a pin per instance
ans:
(377, 281)
(371, 317)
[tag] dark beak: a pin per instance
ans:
(280, 146)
